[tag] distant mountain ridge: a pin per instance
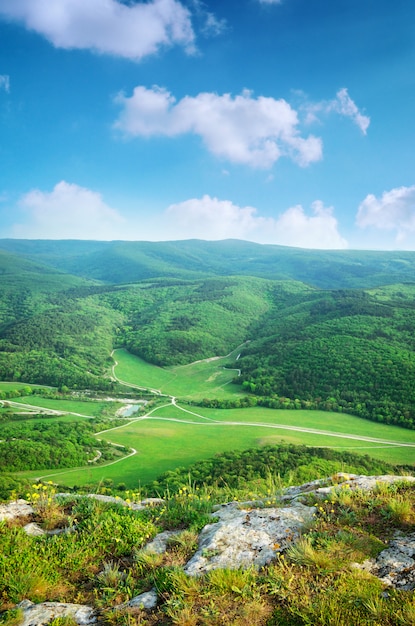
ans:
(119, 262)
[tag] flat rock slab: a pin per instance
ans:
(247, 537)
(17, 508)
(43, 613)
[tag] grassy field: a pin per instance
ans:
(90, 409)
(8, 386)
(162, 442)
(203, 379)
(173, 436)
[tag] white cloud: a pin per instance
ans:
(73, 212)
(5, 82)
(320, 230)
(241, 129)
(393, 211)
(106, 26)
(270, 1)
(67, 212)
(214, 219)
(342, 104)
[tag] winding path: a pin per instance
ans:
(205, 421)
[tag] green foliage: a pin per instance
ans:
(47, 444)
(288, 464)
(57, 567)
(172, 324)
(340, 351)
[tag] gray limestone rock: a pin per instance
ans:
(395, 566)
(323, 487)
(144, 504)
(34, 530)
(159, 544)
(245, 537)
(17, 508)
(45, 612)
(147, 600)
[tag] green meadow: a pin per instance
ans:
(210, 378)
(88, 409)
(173, 436)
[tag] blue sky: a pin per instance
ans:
(287, 122)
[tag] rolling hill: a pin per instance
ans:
(325, 329)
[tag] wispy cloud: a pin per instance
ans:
(5, 82)
(67, 212)
(240, 129)
(211, 218)
(342, 104)
(106, 26)
(210, 25)
(394, 211)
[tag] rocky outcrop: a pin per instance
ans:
(45, 612)
(240, 535)
(325, 486)
(18, 508)
(395, 566)
(243, 537)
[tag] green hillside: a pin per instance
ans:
(310, 346)
(341, 350)
(133, 261)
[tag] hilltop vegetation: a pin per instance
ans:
(314, 579)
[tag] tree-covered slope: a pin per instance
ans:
(341, 350)
(171, 323)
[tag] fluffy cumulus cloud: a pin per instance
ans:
(394, 211)
(240, 129)
(342, 104)
(107, 26)
(214, 219)
(67, 212)
(5, 82)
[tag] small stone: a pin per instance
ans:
(34, 530)
(159, 544)
(147, 600)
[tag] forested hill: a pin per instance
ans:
(133, 261)
(331, 330)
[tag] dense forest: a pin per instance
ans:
(49, 444)
(327, 330)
